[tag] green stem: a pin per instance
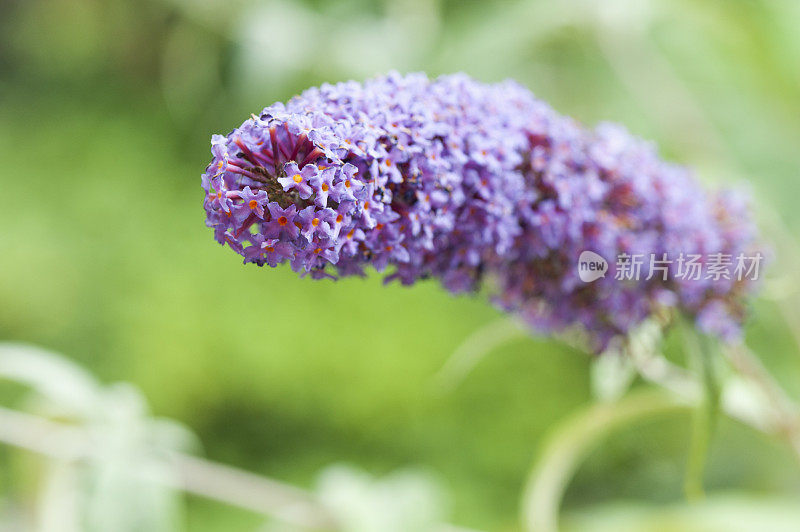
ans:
(572, 440)
(705, 416)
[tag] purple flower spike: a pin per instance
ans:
(468, 182)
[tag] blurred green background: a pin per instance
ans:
(106, 111)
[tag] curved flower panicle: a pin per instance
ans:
(465, 182)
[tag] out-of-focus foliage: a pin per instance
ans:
(107, 465)
(106, 109)
(404, 500)
(729, 512)
(116, 486)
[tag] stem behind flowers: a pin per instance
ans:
(705, 415)
(572, 440)
(748, 394)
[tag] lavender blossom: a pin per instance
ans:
(475, 185)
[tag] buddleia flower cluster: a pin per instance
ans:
(477, 186)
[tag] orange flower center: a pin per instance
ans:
(324, 187)
(270, 249)
(253, 204)
(315, 222)
(339, 219)
(298, 178)
(282, 220)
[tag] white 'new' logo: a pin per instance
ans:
(591, 266)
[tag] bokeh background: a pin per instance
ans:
(106, 111)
